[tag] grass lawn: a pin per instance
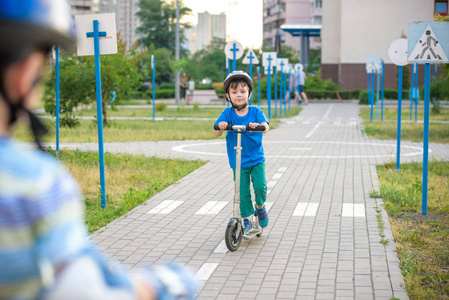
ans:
(413, 132)
(421, 241)
(392, 114)
(139, 130)
(130, 181)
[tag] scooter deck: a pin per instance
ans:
(253, 233)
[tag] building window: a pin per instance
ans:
(441, 7)
(318, 4)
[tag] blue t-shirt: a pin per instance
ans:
(252, 152)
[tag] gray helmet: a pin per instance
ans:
(26, 25)
(238, 75)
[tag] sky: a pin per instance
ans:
(243, 18)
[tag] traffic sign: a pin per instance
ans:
(233, 47)
(106, 23)
(250, 57)
(299, 67)
(282, 64)
(272, 56)
(373, 64)
(398, 52)
(428, 42)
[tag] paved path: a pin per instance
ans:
(323, 239)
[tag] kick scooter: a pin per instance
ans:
(235, 230)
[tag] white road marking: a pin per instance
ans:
(221, 248)
(328, 111)
(271, 184)
(166, 207)
(306, 122)
(211, 208)
(206, 271)
(290, 122)
(313, 130)
(353, 210)
(277, 176)
(305, 209)
(282, 169)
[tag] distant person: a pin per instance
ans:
(302, 81)
(294, 83)
(184, 85)
(45, 250)
(191, 90)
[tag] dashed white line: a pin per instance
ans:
(206, 271)
(282, 169)
(277, 176)
(328, 111)
(353, 210)
(305, 209)
(211, 208)
(271, 184)
(166, 207)
(313, 130)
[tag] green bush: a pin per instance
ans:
(203, 86)
(162, 94)
(167, 86)
(161, 106)
(389, 94)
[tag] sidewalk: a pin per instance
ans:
(323, 239)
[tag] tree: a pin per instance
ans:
(119, 74)
(163, 58)
(158, 20)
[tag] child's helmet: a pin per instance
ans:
(26, 25)
(238, 75)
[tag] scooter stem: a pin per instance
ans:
(238, 160)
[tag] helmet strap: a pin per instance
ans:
(37, 128)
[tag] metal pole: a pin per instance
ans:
(99, 113)
(426, 138)
(372, 96)
(234, 63)
(289, 88)
(382, 92)
(417, 93)
(269, 89)
(251, 75)
(258, 86)
(57, 97)
(412, 91)
(398, 151)
(281, 90)
(377, 96)
(177, 53)
(435, 80)
(275, 73)
(154, 87)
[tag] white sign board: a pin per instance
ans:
(397, 52)
(428, 42)
(106, 23)
(282, 64)
(269, 56)
(250, 57)
(299, 67)
(373, 64)
(232, 47)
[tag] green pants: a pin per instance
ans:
(257, 176)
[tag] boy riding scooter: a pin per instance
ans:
(238, 87)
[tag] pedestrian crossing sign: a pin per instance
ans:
(428, 42)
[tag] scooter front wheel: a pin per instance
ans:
(233, 235)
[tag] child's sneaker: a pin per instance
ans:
(247, 225)
(263, 216)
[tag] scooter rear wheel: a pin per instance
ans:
(233, 236)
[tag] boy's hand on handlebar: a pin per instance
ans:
(222, 125)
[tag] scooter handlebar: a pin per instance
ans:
(247, 128)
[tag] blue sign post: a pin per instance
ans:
(96, 35)
(269, 86)
(234, 49)
(281, 89)
(412, 91)
(153, 66)
(57, 97)
(372, 96)
(428, 43)
(285, 94)
(258, 86)
(289, 87)
(416, 94)
(398, 55)
(377, 95)
(275, 73)
(382, 92)
(250, 58)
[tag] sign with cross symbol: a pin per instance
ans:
(269, 60)
(250, 58)
(107, 33)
